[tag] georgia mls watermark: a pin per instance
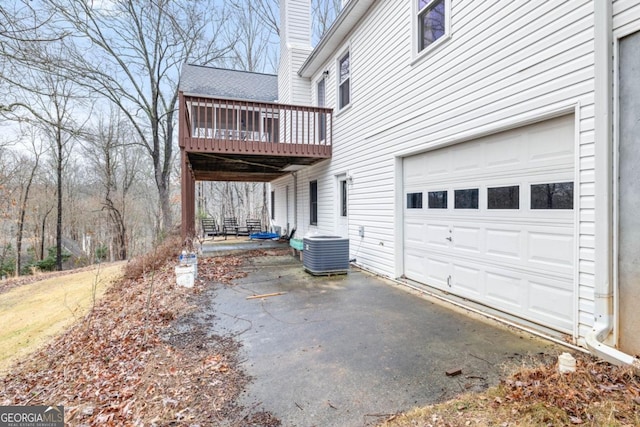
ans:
(31, 416)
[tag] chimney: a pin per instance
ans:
(295, 47)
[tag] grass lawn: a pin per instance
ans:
(33, 313)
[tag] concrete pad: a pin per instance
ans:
(347, 350)
(238, 244)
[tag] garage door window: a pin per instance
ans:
(558, 195)
(466, 199)
(414, 200)
(503, 197)
(437, 200)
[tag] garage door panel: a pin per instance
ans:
(437, 272)
(435, 236)
(468, 158)
(413, 170)
(504, 152)
(513, 258)
(552, 143)
(468, 280)
(504, 243)
(505, 290)
(552, 302)
(415, 232)
(437, 165)
(414, 264)
(467, 239)
(551, 249)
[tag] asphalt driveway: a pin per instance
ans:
(348, 350)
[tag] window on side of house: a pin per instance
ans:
(313, 203)
(273, 204)
(432, 22)
(343, 198)
(322, 119)
(344, 81)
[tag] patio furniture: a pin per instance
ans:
(209, 227)
(230, 226)
(254, 226)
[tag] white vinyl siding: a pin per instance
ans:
(295, 22)
(507, 64)
(295, 46)
(626, 16)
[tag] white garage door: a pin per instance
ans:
(492, 220)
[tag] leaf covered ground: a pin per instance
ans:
(596, 394)
(126, 364)
(143, 356)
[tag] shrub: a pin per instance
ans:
(49, 263)
(168, 249)
(7, 262)
(101, 253)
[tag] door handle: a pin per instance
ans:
(449, 238)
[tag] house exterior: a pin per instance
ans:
(484, 152)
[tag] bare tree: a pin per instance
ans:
(47, 101)
(323, 13)
(130, 52)
(57, 122)
(268, 14)
(23, 30)
(249, 37)
(115, 166)
(37, 149)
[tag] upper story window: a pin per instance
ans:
(344, 83)
(432, 22)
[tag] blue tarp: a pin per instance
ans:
(263, 235)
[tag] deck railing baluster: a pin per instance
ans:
(239, 126)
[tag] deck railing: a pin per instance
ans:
(243, 127)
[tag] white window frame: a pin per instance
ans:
(417, 53)
(341, 57)
(313, 204)
(323, 79)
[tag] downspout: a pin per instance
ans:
(603, 94)
(295, 200)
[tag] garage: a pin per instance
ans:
(492, 220)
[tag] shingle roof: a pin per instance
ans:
(201, 80)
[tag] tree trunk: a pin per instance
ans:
(23, 210)
(44, 226)
(59, 184)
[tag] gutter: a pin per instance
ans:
(328, 35)
(604, 293)
(334, 36)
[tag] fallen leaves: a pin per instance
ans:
(593, 384)
(124, 364)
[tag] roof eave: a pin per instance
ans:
(226, 98)
(348, 18)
